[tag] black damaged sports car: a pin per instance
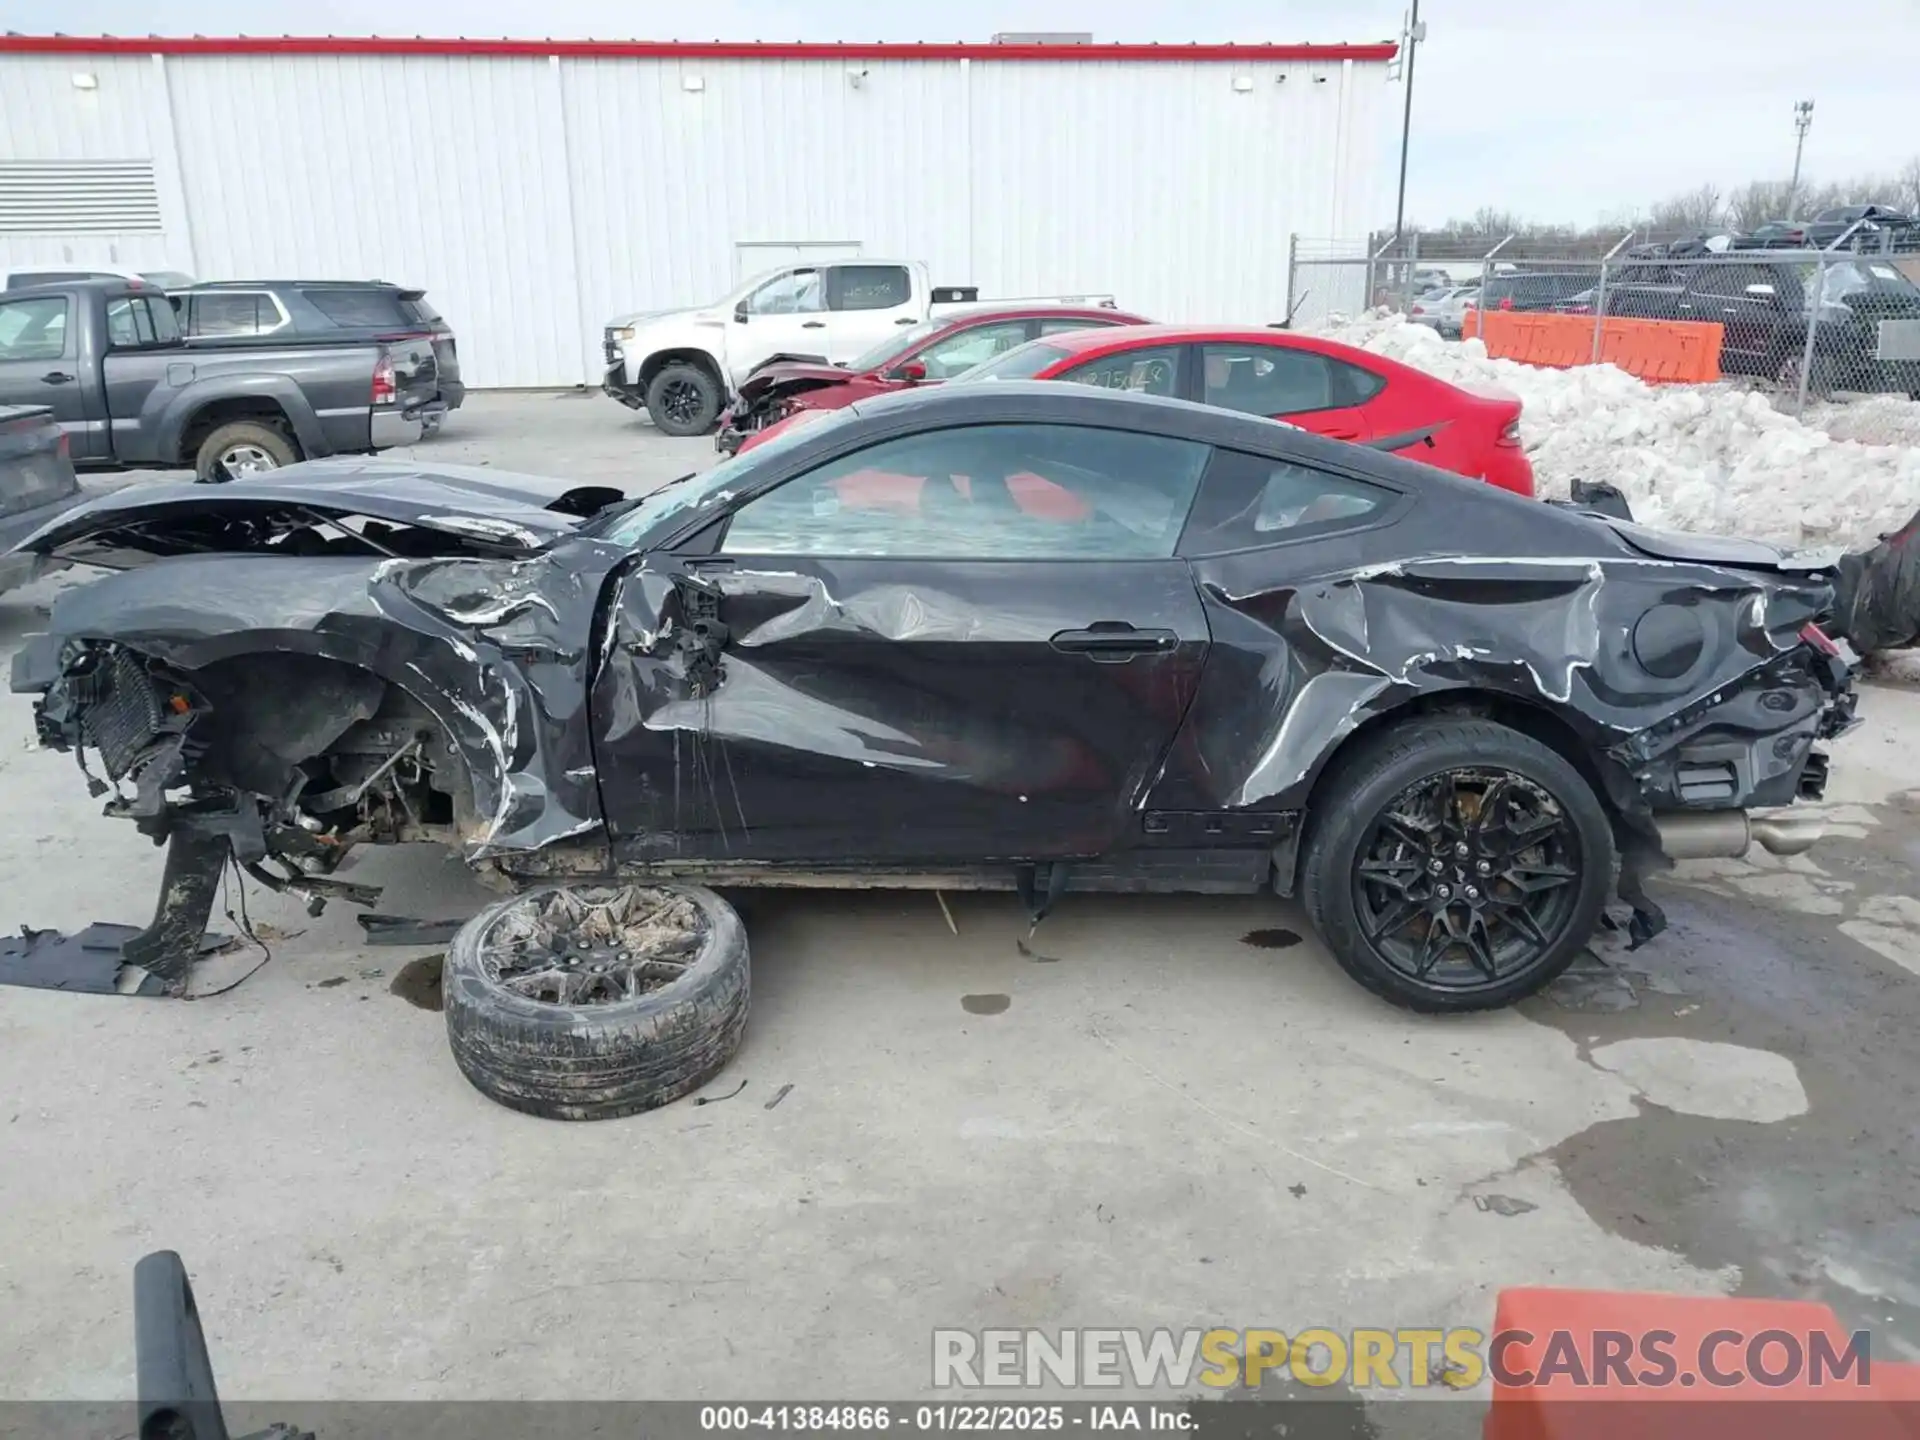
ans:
(1035, 637)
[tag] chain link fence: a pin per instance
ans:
(1808, 323)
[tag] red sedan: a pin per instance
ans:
(934, 350)
(1331, 389)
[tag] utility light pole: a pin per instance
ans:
(1802, 122)
(1415, 33)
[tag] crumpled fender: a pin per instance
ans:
(490, 648)
(1877, 606)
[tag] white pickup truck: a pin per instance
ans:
(680, 366)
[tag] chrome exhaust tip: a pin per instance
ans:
(1788, 832)
(1729, 834)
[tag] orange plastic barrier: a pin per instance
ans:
(1659, 350)
(1581, 1365)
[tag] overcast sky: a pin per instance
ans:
(1548, 108)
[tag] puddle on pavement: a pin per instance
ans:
(1819, 1206)
(984, 1004)
(418, 982)
(1274, 939)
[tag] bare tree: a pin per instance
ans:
(1697, 209)
(1757, 202)
(1906, 189)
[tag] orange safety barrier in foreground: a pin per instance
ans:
(1673, 350)
(1600, 1365)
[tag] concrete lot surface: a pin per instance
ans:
(1167, 1126)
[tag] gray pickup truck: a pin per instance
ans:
(107, 357)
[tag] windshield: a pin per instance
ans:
(684, 496)
(1023, 362)
(893, 347)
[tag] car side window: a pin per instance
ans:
(33, 329)
(358, 309)
(1151, 371)
(1267, 379)
(792, 292)
(132, 322)
(870, 287)
(220, 314)
(1247, 501)
(984, 492)
(948, 357)
(1353, 385)
(1058, 325)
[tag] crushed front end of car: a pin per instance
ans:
(349, 653)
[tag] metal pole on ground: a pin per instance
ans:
(1802, 120)
(1814, 301)
(1416, 32)
(1486, 283)
(1293, 264)
(1600, 296)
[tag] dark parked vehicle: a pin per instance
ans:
(1450, 719)
(37, 484)
(1535, 290)
(1777, 235)
(1867, 228)
(255, 312)
(1873, 222)
(108, 358)
(1866, 335)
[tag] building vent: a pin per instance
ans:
(66, 197)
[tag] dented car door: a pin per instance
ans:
(968, 645)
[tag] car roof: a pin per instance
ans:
(1115, 338)
(302, 284)
(90, 282)
(1033, 310)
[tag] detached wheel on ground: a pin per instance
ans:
(683, 399)
(586, 1003)
(243, 448)
(1456, 864)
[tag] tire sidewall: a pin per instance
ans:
(465, 985)
(207, 458)
(711, 397)
(1346, 816)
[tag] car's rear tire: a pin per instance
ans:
(241, 448)
(1425, 895)
(544, 1008)
(684, 399)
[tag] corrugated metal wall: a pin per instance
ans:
(534, 197)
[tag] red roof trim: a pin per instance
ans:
(662, 49)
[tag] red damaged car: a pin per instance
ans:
(934, 350)
(1339, 391)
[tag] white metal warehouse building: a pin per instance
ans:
(536, 188)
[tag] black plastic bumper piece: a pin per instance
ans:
(168, 946)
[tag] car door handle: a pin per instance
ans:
(1113, 642)
(56, 377)
(814, 325)
(906, 320)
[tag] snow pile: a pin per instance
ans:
(1874, 419)
(1711, 458)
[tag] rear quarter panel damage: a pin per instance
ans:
(1296, 669)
